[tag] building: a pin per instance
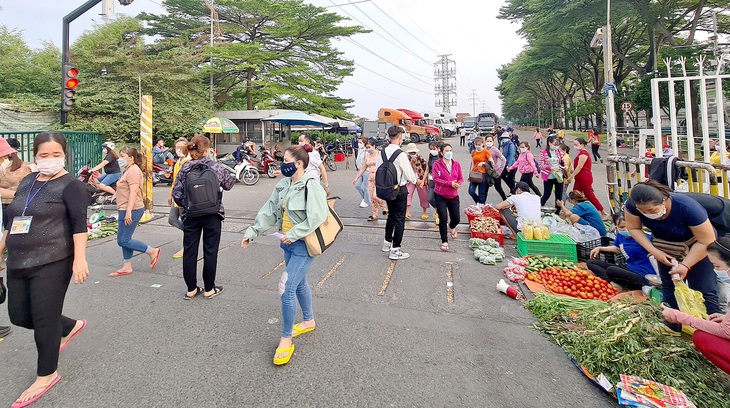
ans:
(251, 127)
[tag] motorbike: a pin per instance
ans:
(162, 172)
(327, 155)
(278, 154)
(267, 164)
(244, 172)
(96, 196)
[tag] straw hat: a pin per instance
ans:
(5, 149)
(411, 148)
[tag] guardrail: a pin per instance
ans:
(82, 147)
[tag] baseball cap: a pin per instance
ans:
(522, 186)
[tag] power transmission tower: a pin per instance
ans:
(485, 108)
(473, 99)
(445, 77)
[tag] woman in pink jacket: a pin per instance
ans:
(526, 165)
(552, 166)
(447, 179)
(712, 337)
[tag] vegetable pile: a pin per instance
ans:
(573, 282)
(106, 228)
(487, 252)
(628, 338)
(486, 224)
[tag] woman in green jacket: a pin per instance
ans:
(297, 207)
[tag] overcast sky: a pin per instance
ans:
(408, 33)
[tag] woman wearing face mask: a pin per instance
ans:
(583, 176)
(552, 166)
(526, 165)
(568, 169)
(447, 178)
(583, 212)
(297, 207)
(131, 208)
(208, 225)
(370, 164)
(499, 164)
(420, 166)
(361, 184)
(712, 337)
(112, 171)
(46, 245)
(480, 157)
(433, 155)
(637, 259)
(682, 231)
(13, 170)
(175, 218)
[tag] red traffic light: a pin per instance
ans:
(72, 83)
(72, 72)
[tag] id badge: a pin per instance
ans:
(21, 225)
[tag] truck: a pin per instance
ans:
(444, 121)
(377, 130)
(433, 133)
(469, 123)
(413, 132)
(460, 118)
(486, 122)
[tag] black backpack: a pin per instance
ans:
(202, 191)
(386, 178)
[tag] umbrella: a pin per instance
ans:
(219, 125)
(296, 118)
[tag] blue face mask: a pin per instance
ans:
(722, 276)
(448, 155)
(288, 169)
(625, 233)
(302, 143)
(553, 147)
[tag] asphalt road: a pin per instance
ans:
(387, 332)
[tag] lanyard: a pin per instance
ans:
(30, 198)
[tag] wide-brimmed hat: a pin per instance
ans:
(411, 148)
(5, 149)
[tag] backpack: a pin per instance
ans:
(202, 191)
(386, 178)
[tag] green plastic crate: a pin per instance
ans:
(559, 246)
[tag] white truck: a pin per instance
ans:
(444, 120)
(378, 130)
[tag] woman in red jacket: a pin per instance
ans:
(583, 176)
(447, 178)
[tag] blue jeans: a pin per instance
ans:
(294, 283)
(124, 235)
(478, 191)
(701, 277)
(362, 186)
(109, 179)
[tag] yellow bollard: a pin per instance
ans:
(145, 132)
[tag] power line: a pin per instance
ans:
(392, 80)
(384, 94)
(401, 26)
(375, 54)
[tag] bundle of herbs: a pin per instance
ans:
(629, 338)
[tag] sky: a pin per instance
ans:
(394, 63)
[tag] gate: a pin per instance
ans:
(82, 147)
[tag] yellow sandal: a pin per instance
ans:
(283, 360)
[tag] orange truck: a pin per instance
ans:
(414, 132)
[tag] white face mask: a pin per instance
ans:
(6, 163)
(522, 149)
(50, 166)
(656, 216)
(478, 148)
(370, 151)
(302, 143)
(434, 152)
(179, 153)
(489, 144)
(122, 162)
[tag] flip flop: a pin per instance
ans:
(283, 360)
(216, 291)
(445, 247)
(296, 331)
(408, 217)
(176, 256)
(198, 291)
(153, 263)
(371, 218)
(454, 233)
(83, 326)
(119, 273)
(424, 217)
(17, 404)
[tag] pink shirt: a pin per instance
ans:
(442, 178)
(714, 328)
(525, 163)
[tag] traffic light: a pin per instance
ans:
(70, 82)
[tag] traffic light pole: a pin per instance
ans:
(65, 46)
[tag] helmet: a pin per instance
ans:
(110, 145)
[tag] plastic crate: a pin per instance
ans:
(485, 235)
(340, 157)
(559, 246)
(583, 250)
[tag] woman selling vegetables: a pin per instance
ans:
(712, 337)
(681, 233)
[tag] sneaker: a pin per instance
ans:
(386, 246)
(4, 331)
(363, 204)
(396, 253)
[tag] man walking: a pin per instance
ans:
(462, 136)
(397, 205)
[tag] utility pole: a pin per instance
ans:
(473, 99)
(610, 108)
(445, 77)
(485, 108)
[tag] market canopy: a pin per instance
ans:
(296, 118)
(219, 125)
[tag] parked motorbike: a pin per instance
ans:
(328, 156)
(267, 164)
(96, 196)
(162, 173)
(278, 154)
(244, 172)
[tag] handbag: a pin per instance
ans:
(491, 171)
(3, 292)
(476, 177)
(324, 236)
(676, 250)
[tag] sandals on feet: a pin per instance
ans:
(283, 360)
(371, 218)
(424, 217)
(119, 273)
(197, 292)
(296, 331)
(64, 345)
(216, 291)
(153, 262)
(445, 247)
(454, 233)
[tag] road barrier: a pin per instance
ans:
(82, 147)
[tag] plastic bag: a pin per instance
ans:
(587, 233)
(690, 302)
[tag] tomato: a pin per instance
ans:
(590, 295)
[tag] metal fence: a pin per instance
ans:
(82, 147)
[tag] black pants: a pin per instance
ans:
(510, 219)
(498, 187)
(548, 185)
(210, 226)
(538, 142)
(612, 273)
(509, 178)
(462, 140)
(527, 178)
(396, 218)
(596, 155)
(35, 301)
(453, 217)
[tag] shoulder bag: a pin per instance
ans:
(476, 177)
(324, 236)
(3, 292)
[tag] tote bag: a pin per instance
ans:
(324, 236)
